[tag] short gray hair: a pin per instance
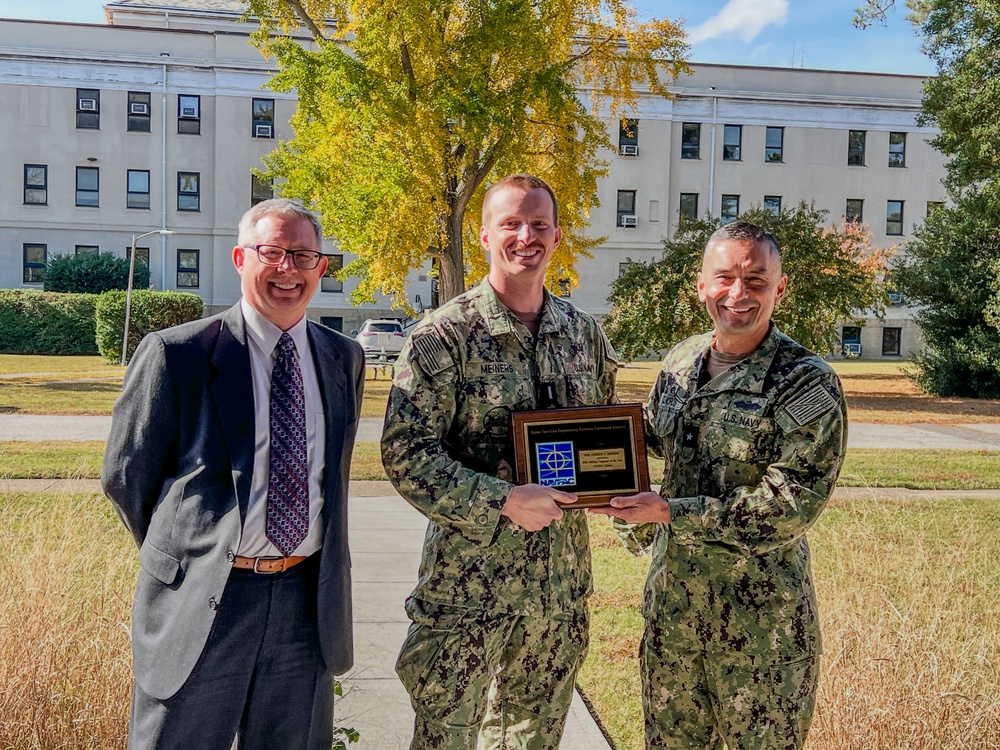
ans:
(743, 231)
(282, 207)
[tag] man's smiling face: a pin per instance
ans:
(740, 283)
(280, 293)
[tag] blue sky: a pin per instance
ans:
(800, 33)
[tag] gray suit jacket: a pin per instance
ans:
(178, 467)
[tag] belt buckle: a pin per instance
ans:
(256, 562)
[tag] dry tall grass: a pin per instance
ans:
(909, 593)
(66, 576)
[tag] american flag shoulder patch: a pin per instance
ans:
(431, 354)
(811, 404)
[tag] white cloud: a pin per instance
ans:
(745, 18)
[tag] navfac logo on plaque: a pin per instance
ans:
(555, 464)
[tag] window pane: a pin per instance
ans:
(772, 203)
(730, 208)
(890, 341)
(856, 148)
(628, 132)
(138, 181)
(897, 149)
(188, 106)
(732, 138)
(330, 282)
(689, 205)
(187, 260)
(691, 140)
(774, 140)
(894, 217)
(34, 175)
(33, 269)
(263, 110)
(626, 201)
(87, 178)
(855, 209)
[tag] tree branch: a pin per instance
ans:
(404, 56)
(315, 30)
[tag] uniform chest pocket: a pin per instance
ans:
(747, 444)
(581, 390)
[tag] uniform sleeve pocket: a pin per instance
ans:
(159, 564)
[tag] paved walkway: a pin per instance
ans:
(973, 436)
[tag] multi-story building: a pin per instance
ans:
(158, 119)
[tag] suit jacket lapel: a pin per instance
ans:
(232, 391)
(330, 372)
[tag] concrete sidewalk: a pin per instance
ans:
(972, 436)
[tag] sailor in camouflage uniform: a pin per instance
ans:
(753, 429)
(500, 610)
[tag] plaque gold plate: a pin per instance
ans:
(595, 452)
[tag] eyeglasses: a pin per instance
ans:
(274, 255)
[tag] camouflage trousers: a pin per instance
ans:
(692, 698)
(499, 683)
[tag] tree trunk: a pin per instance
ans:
(451, 264)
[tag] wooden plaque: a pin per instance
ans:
(595, 452)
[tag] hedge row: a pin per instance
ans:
(33, 322)
(151, 311)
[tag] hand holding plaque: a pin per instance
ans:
(594, 452)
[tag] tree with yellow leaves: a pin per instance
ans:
(407, 107)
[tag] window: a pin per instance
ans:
(624, 267)
(932, 206)
(87, 250)
(856, 148)
(260, 189)
(894, 217)
(855, 210)
(330, 282)
(626, 209)
(35, 257)
(628, 136)
(88, 109)
(36, 184)
(187, 269)
(731, 139)
(897, 149)
(691, 140)
(189, 191)
(88, 183)
(730, 208)
(689, 206)
(772, 203)
(850, 341)
(564, 288)
(334, 321)
(139, 109)
(141, 255)
(138, 189)
(774, 141)
(890, 341)
(189, 114)
(262, 125)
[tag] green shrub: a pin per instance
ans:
(92, 273)
(33, 322)
(151, 311)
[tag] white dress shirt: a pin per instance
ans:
(262, 337)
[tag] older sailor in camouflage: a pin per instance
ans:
(752, 451)
(499, 612)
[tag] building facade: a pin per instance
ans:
(158, 119)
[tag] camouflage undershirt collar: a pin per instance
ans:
(746, 374)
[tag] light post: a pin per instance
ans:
(128, 289)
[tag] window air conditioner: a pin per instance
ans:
(138, 108)
(189, 111)
(88, 105)
(629, 149)
(262, 131)
(630, 221)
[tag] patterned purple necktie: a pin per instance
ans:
(288, 475)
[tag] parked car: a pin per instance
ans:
(382, 340)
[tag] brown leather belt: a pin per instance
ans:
(266, 564)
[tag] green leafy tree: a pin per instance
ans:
(951, 265)
(406, 107)
(952, 268)
(92, 273)
(833, 275)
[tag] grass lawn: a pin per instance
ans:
(913, 469)
(910, 612)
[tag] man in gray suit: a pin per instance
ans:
(228, 461)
